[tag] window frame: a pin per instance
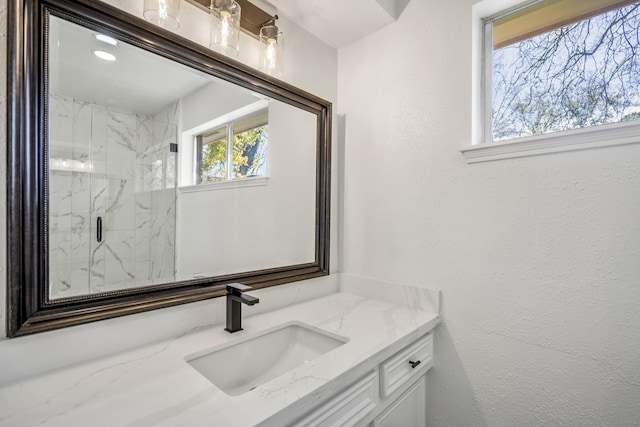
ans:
(229, 136)
(187, 169)
(482, 147)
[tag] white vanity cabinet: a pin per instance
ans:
(393, 395)
(404, 374)
(406, 411)
(348, 407)
(401, 369)
(368, 380)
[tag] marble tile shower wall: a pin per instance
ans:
(117, 166)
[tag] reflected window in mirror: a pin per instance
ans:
(236, 150)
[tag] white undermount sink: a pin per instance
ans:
(240, 366)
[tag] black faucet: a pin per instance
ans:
(235, 298)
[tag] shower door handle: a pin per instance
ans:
(99, 228)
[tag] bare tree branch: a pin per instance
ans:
(584, 74)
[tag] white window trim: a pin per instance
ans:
(558, 142)
(482, 149)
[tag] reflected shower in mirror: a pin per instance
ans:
(159, 172)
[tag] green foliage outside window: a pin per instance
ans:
(248, 159)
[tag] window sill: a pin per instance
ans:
(238, 183)
(578, 139)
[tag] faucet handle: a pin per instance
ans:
(237, 288)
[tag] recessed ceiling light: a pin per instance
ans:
(107, 39)
(104, 55)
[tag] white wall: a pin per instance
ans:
(309, 64)
(537, 258)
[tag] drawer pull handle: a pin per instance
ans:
(414, 364)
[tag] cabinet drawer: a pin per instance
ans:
(406, 365)
(347, 407)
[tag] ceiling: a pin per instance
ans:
(340, 22)
(137, 81)
(146, 89)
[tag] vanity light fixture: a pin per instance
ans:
(104, 55)
(271, 49)
(163, 13)
(225, 26)
(257, 19)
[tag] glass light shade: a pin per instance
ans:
(225, 27)
(271, 50)
(163, 13)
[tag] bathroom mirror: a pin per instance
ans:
(147, 171)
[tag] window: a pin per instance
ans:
(560, 65)
(233, 151)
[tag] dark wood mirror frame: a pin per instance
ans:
(29, 309)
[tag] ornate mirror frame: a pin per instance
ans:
(29, 310)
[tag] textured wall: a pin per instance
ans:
(538, 258)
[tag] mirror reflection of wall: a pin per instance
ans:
(247, 223)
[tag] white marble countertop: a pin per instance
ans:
(154, 386)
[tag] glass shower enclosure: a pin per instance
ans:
(112, 197)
